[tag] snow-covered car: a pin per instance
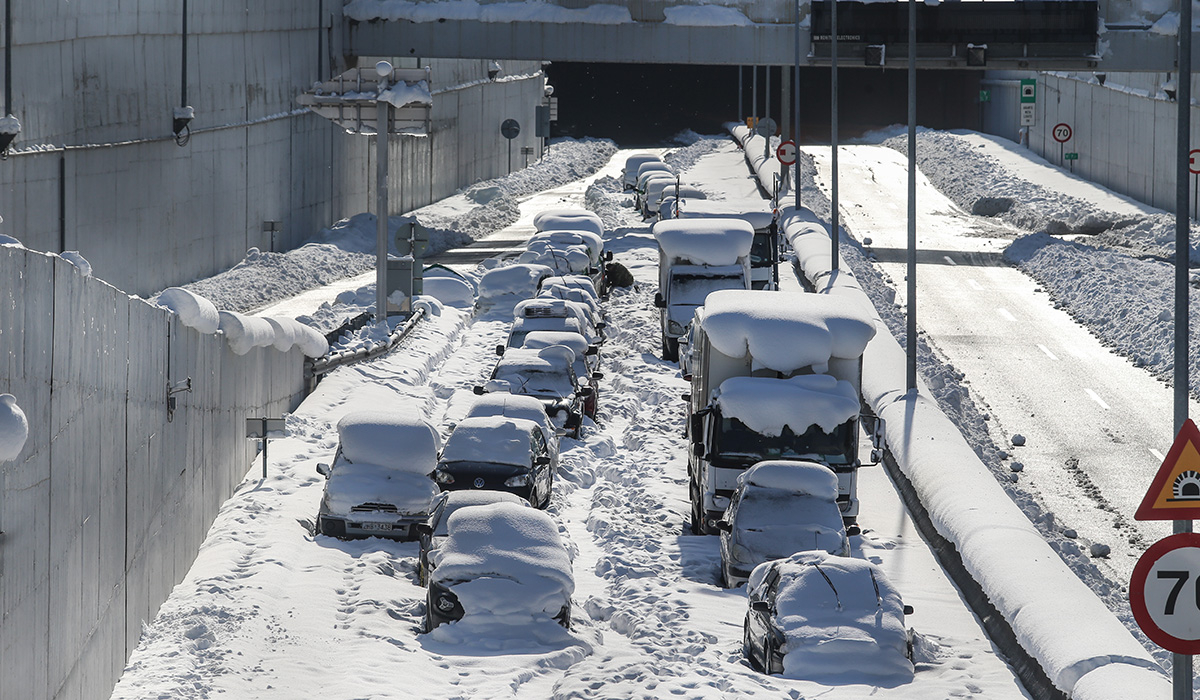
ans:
(499, 454)
(818, 616)
(378, 484)
(554, 314)
(433, 530)
(501, 563)
(644, 183)
(653, 194)
(510, 283)
(780, 508)
(548, 375)
(513, 406)
(633, 163)
(587, 360)
(567, 219)
(562, 259)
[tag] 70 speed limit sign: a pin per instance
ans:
(1164, 593)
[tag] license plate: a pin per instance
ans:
(384, 527)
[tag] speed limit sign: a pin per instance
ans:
(1062, 132)
(1164, 593)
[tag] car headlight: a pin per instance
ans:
(517, 481)
(443, 477)
(674, 327)
(740, 553)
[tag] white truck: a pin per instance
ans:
(696, 257)
(774, 375)
(764, 254)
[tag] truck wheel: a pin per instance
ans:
(697, 511)
(670, 349)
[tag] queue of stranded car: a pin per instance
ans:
(476, 501)
(813, 609)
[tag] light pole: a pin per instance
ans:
(383, 113)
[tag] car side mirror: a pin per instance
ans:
(422, 529)
(323, 469)
(908, 610)
(686, 397)
(499, 349)
(592, 350)
(724, 525)
(698, 449)
(478, 390)
(761, 606)
(597, 375)
(601, 325)
(687, 377)
(608, 256)
(542, 460)
(585, 391)
(659, 302)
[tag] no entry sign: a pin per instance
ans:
(786, 152)
(1164, 593)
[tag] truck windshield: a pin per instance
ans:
(691, 289)
(762, 252)
(734, 443)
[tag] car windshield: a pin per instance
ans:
(735, 442)
(536, 382)
(691, 290)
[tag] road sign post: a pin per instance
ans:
(1062, 133)
(510, 129)
(258, 429)
(1028, 101)
(1194, 169)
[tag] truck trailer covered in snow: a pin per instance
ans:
(696, 257)
(775, 375)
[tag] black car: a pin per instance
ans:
(499, 453)
(433, 531)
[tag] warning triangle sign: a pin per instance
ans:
(1175, 492)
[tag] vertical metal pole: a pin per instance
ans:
(741, 99)
(796, 107)
(265, 441)
(754, 94)
(62, 202)
(8, 97)
(383, 117)
(1181, 664)
(183, 63)
(911, 330)
(767, 111)
(833, 100)
(320, 39)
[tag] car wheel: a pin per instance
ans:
(670, 349)
(697, 510)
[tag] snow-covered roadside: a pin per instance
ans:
(1082, 647)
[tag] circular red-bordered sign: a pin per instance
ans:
(1062, 132)
(1193, 157)
(786, 152)
(1164, 593)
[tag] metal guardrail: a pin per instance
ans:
(313, 369)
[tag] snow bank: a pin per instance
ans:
(194, 311)
(519, 280)
(767, 405)
(508, 559)
(245, 332)
(14, 428)
(494, 439)
(568, 220)
(400, 439)
(841, 618)
(786, 331)
(355, 483)
(705, 241)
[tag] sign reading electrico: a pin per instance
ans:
(1028, 101)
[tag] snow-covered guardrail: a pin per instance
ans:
(328, 363)
(1085, 652)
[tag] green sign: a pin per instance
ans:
(1071, 156)
(985, 95)
(1028, 91)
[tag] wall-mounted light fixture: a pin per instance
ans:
(175, 388)
(976, 54)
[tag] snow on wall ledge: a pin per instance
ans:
(1085, 651)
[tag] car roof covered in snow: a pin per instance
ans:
(520, 279)
(400, 439)
(493, 439)
(786, 331)
(758, 215)
(568, 220)
(792, 476)
(512, 406)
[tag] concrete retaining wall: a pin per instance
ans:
(96, 168)
(1124, 130)
(105, 508)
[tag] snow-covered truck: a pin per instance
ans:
(697, 257)
(764, 254)
(774, 375)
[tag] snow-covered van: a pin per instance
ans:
(775, 375)
(764, 255)
(695, 257)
